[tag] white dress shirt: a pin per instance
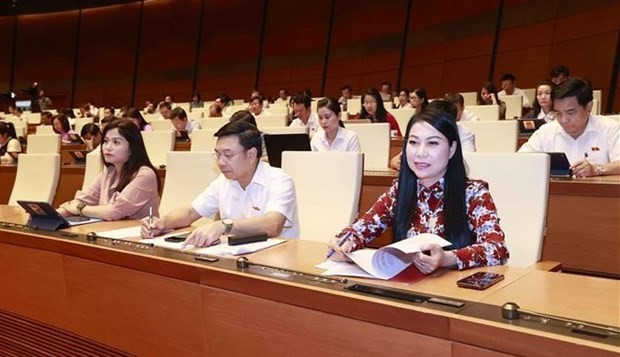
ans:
(346, 140)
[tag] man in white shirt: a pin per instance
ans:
(508, 88)
(386, 92)
(165, 110)
(181, 122)
(305, 116)
(461, 113)
(249, 196)
(591, 143)
(256, 107)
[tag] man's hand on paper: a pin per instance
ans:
(206, 235)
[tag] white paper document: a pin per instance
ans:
(134, 232)
(384, 263)
(224, 249)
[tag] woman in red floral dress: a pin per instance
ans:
(433, 195)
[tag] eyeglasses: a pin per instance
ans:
(227, 156)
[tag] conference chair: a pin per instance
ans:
(21, 128)
(213, 123)
(402, 117)
(514, 106)
(30, 183)
(43, 144)
(596, 107)
(44, 129)
(485, 112)
(94, 167)
(495, 136)
(158, 143)
(597, 94)
(80, 122)
(519, 184)
(161, 125)
(194, 115)
(354, 106)
(187, 175)
(284, 130)
(530, 93)
(203, 140)
(34, 118)
(615, 117)
(470, 98)
(270, 121)
(238, 102)
(329, 202)
(375, 143)
(150, 118)
(356, 121)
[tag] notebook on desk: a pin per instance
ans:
(44, 216)
(560, 167)
(277, 143)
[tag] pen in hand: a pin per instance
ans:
(342, 240)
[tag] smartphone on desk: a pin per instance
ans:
(178, 238)
(480, 280)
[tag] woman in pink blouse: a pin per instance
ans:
(128, 187)
(433, 195)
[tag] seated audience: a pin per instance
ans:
(165, 110)
(403, 99)
(91, 135)
(333, 137)
(136, 117)
(418, 99)
(45, 102)
(85, 112)
(347, 93)
(304, 115)
(386, 92)
(282, 96)
(215, 111)
(46, 118)
(10, 147)
(508, 88)
(248, 197)
(433, 195)
(591, 142)
(109, 111)
(543, 105)
(256, 106)
(246, 116)
(181, 122)
(128, 186)
(168, 99)
(196, 101)
(462, 113)
(487, 95)
(373, 109)
(559, 74)
(61, 126)
(149, 107)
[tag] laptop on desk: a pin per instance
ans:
(560, 167)
(75, 139)
(277, 143)
(44, 216)
(79, 156)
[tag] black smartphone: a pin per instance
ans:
(177, 239)
(480, 280)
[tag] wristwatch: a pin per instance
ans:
(228, 224)
(600, 170)
(80, 206)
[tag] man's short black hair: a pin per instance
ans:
(248, 134)
(574, 87)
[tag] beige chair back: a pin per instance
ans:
(158, 144)
(30, 183)
(375, 144)
(43, 144)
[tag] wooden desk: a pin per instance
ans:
(156, 302)
(583, 221)
(583, 225)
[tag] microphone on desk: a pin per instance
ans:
(91, 236)
(244, 263)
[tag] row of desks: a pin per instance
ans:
(583, 216)
(151, 301)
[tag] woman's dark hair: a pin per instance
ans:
(444, 105)
(8, 128)
(536, 106)
(137, 151)
(68, 112)
(197, 95)
(248, 135)
(135, 114)
(490, 87)
(381, 115)
(456, 226)
(421, 93)
(66, 127)
(91, 129)
(331, 104)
